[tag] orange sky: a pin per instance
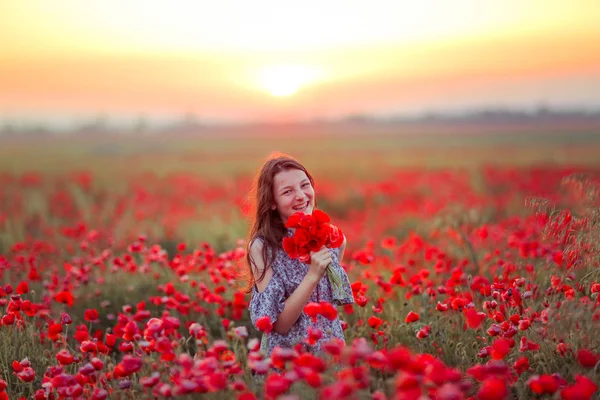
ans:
(231, 60)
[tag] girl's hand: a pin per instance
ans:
(319, 261)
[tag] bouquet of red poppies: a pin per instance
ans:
(313, 231)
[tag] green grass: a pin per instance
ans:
(364, 155)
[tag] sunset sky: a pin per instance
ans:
(273, 60)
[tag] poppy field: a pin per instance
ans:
(122, 273)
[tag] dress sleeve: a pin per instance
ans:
(269, 302)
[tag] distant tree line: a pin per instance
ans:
(190, 123)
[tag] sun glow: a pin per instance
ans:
(286, 80)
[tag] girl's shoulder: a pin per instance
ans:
(257, 244)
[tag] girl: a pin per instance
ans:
(281, 286)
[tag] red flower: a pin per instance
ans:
(54, 331)
(65, 298)
(64, 357)
(374, 322)
(583, 389)
(328, 311)
(65, 319)
(424, 332)
(99, 394)
(562, 349)
(493, 389)
(8, 319)
(314, 334)
(320, 217)
(360, 300)
(500, 348)
(312, 232)
(276, 385)
(294, 220)
(412, 317)
(264, 324)
(545, 384)
(23, 287)
(290, 247)
(312, 310)
(474, 318)
(521, 365)
(528, 345)
(26, 375)
(91, 315)
(111, 340)
(333, 347)
(18, 366)
(336, 237)
(87, 346)
(131, 364)
(586, 358)
(150, 381)
(97, 363)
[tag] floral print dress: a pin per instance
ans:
(287, 276)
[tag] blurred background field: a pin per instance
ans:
(192, 186)
(362, 151)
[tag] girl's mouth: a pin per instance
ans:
(301, 207)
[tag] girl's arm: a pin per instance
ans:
(294, 305)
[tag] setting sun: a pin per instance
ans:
(286, 80)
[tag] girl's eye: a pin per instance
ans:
(306, 184)
(286, 192)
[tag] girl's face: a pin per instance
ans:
(293, 193)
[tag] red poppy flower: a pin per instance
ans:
(54, 331)
(64, 357)
(264, 324)
(336, 237)
(26, 375)
(328, 311)
(424, 332)
(91, 315)
(544, 384)
(412, 317)
(521, 365)
(65, 298)
(528, 345)
(276, 385)
(374, 322)
(586, 358)
(65, 319)
(312, 310)
(494, 388)
(583, 388)
(314, 334)
(23, 287)
(99, 394)
(474, 318)
(290, 247)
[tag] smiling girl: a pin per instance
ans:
(282, 286)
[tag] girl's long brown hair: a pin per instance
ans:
(266, 223)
